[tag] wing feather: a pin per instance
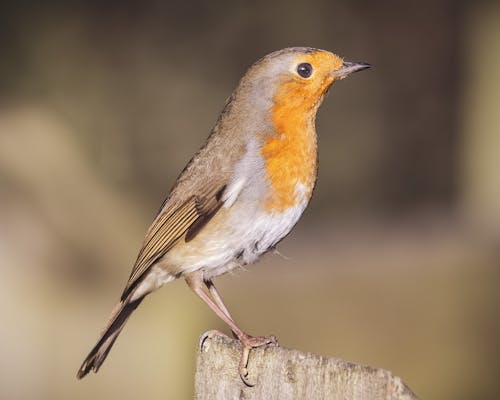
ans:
(171, 225)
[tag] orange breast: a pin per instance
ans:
(290, 154)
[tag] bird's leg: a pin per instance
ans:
(218, 299)
(195, 282)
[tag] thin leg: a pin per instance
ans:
(195, 282)
(217, 298)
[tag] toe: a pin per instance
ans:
(209, 335)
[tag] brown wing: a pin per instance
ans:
(170, 225)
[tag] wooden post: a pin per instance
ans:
(279, 373)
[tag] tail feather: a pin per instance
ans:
(98, 354)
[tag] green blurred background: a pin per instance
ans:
(395, 263)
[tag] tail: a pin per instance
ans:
(98, 354)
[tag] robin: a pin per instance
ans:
(240, 194)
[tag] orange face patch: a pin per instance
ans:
(290, 154)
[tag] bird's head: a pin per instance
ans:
(296, 76)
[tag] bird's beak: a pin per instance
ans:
(348, 68)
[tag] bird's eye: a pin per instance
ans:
(304, 70)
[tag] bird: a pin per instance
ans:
(240, 194)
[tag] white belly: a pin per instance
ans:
(238, 237)
(221, 247)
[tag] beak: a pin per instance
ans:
(349, 67)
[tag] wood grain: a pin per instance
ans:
(280, 373)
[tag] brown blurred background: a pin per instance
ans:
(395, 263)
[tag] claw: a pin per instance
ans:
(248, 343)
(273, 340)
(243, 376)
(242, 368)
(209, 335)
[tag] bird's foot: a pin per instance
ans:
(248, 343)
(209, 335)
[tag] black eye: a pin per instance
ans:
(305, 70)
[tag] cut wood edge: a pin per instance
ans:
(281, 373)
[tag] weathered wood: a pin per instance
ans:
(279, 373)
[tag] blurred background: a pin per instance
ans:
(395, 263)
